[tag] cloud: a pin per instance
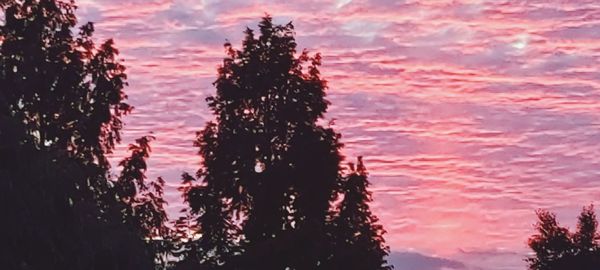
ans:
(591, 31)
(470, 114)
(416, 261)
(492, 259)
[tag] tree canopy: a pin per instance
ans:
(271, 192)
(61, 103)
(270, 171)
(556, 248)
(64, 89)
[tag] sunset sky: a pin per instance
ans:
(470, 114)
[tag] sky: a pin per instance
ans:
(470, 114)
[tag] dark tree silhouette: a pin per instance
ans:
(358, 239)
(142, 207)
(270, 172)
(556, 248)
(65, 89)
(61, 102)
(49, 222)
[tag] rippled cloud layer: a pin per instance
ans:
(471, 114)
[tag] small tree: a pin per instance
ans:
(358, 239)
(556, 248)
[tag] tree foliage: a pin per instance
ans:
(52, 222)
(556, 248)
(270, 171)
(141, 201)
(67, 91)
(358, 238)
(263, 198)
(61, 103)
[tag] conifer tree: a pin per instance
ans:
(358, 239)
(585, 240)
(61, 103)
(67, 91)
(556, 248)
(270, 171)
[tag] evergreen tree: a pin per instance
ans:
(61, 101)
(358, 239)
(556, 248)
(50, 222)
(585, 239)
(270, 172)
(67, 91)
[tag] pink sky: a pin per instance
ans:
(470, 114)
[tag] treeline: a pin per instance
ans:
(272, 191)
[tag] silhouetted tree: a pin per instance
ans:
(63, 88)
(585, 239)
(205, 210)
(358, 239)
(142, 203)
(49, 220)
(61, 101)
(270, 172)
(557, 249)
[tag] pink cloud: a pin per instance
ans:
(470, 114)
